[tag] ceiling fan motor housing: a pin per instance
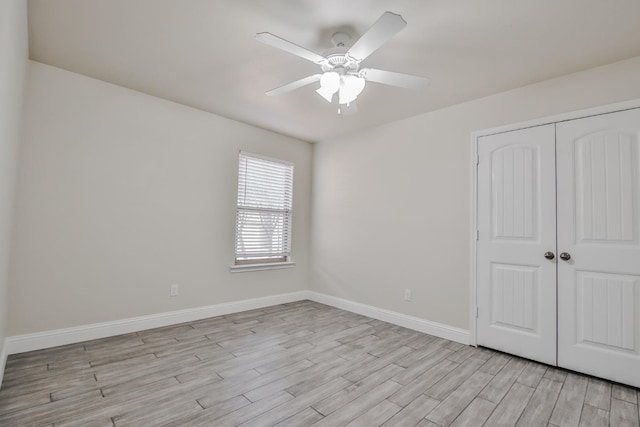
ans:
(340, 61)
(337, 59)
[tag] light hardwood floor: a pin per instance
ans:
(298, 364)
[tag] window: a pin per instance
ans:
(263, 218)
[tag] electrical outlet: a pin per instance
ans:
(174, 290)
(407, 294)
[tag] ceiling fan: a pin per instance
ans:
(341, 72)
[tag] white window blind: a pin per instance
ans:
(263, 220)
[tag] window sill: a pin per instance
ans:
(258, 267)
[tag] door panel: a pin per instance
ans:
(516, 291)
(599, 226)
(606, 307)
(605, 187)
(514, 206)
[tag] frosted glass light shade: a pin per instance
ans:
(330, 81)
(329, 84)
(350, 87)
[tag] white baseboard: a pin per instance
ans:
(410, 322)
(3, 360)
(40, 340)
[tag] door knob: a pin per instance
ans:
(549, 255)
(565, 256)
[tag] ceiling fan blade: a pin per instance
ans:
(294, 85)
(391, 78)
(348, 109)
(287, 46)
(387, 26)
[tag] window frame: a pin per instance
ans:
(264, 263)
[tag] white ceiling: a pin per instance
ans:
(202, 53)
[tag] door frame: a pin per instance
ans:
(473, 162)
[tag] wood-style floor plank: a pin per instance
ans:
(475, 414)
(570, 401)
(344, 397)
(303, 418)
(598, 394)
(532, 374)
(540, 407)
(376, 415)
(504, 379)
(509, 410)
(411, 414)
(298, 364)
(457, 401)
(360, 405)
(594, 417)
(621, 392)
(415, 388)
(623, 413)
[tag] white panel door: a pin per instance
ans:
(599, 228)
(516, 284)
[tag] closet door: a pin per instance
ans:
(599, 229)
(516, 284)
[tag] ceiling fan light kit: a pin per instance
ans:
(348, 86)
(341, 72)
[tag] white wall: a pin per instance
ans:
(391, 205)
(13, 67)
(121, 194)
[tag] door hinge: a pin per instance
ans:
(477, 159)
(476, 312)
(477, 234)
